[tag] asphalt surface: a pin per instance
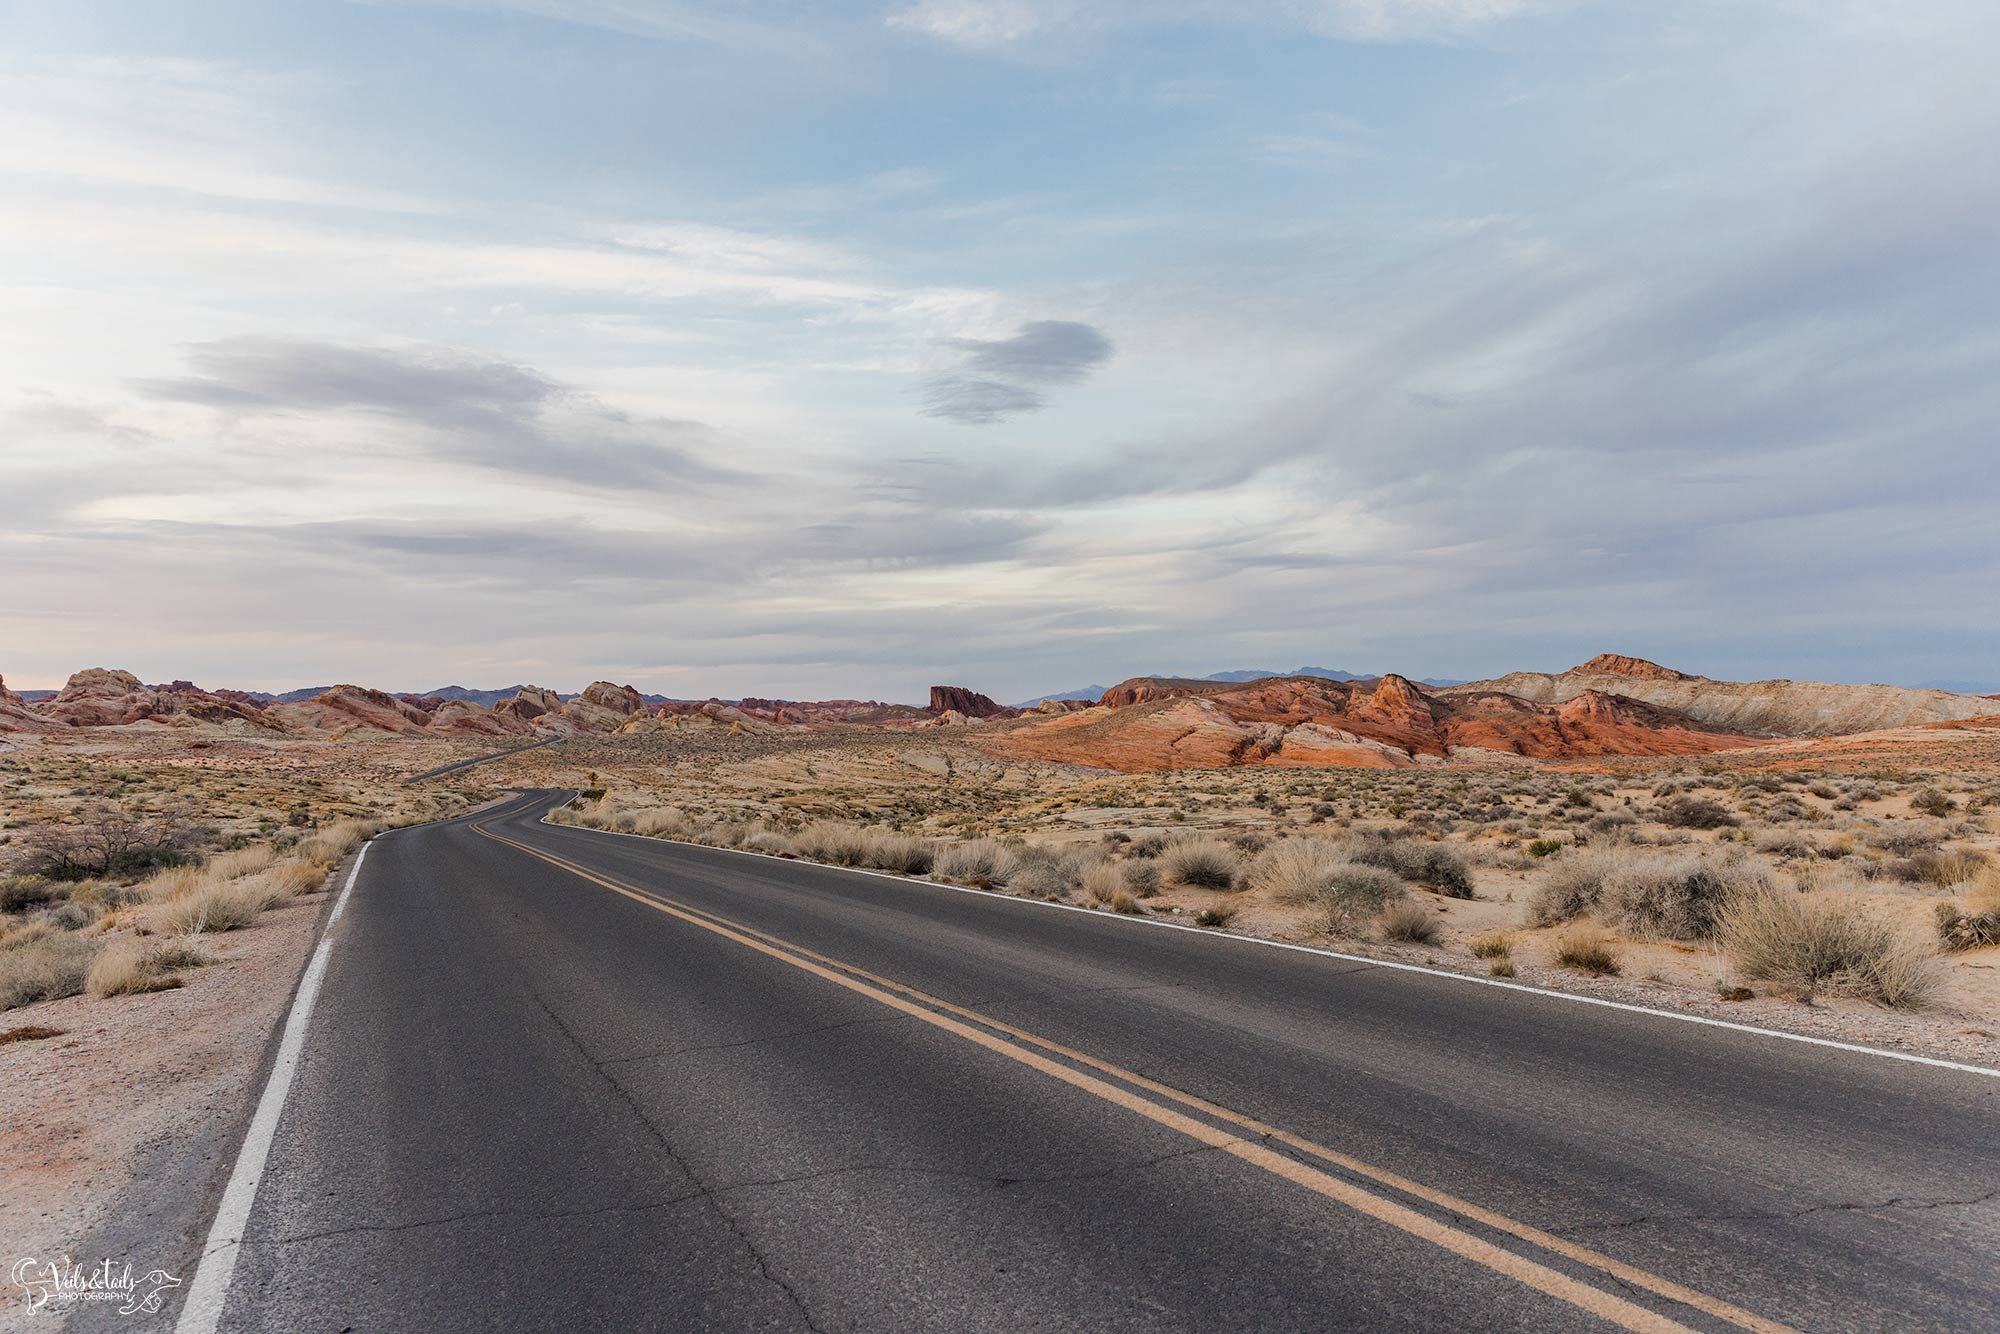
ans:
(532, 1099)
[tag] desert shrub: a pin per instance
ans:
(1685, 812)
(72, 915)
(1294, 870)
(1908, 837)
(1573, 884)
(1407, 920)
(1588, 950)
(1142, 878)
(1429, 864)
(106, 839)
(1680, 898)
(1495, 946)
(296, 878)
(45, 964)
(767, 841)
(1103, 881)
(21, 892)
(1813, 945)
(1945, 869)
(241, 862)
(1147, 845)
(172, 883)
(1216, 916)
(1932, 802)
(1974, 922)
(1046, 873)
(901, 853)
(1352, 895)
(128, 967)
(1199, 863)
(1543, 847)
(214, 907)
(329, 845)
(660, 822)
(977, 861)
(836, 845)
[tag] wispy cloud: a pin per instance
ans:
(1000, 377)
(493, 414)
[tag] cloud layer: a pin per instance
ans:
(1002, 377)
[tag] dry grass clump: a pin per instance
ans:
(1429, 864)
(227, 906)
(243, 861)
(1104, 881)
(901, 853)
(1352, 895)
(1675, 896)
(1973, 922)
(1813, 945)
(129, 966)
(836, 845)
(20, 892)
(1588, 950)
(1198, 863)
(291, 878)
(1495, 946)
(173, 883)
(1046, 874)
(41, 962)
(1294, 871)
(329, 845)
(769, 842)
(658, 822)
(986, 863)
(1407, 920)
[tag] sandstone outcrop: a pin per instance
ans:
(347, 707)
(957, 699)
(1776, 708)
(1390, 722)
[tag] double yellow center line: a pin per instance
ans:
(1038, 1053)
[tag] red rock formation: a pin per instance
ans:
(1617, 664)
(103, 697)
(1312, 721)
(462, 717)
(528, 704)
(971, 703)
(345, 707)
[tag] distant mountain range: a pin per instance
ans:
(1246, 674)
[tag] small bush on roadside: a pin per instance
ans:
(1495, 946)
(1217, 916)
(1142, 878)
(241, 862)
(1408, 921)
(1103, 881)
(1354, 894)
(129, 966)
(1429, 864)
(984, 862)
(769, 842)
(43, 965)
(1813, 945)
(900, 853)
(297, 878)
(1588, 950)
(1045, 873)
(223, 907)
(1199, 863)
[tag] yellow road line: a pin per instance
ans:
(904, 999)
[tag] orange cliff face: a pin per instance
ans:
(1307, 721)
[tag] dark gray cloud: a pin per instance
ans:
(491, 414)
(998, 377)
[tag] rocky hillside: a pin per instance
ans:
(1754, 708)
(1164, 723)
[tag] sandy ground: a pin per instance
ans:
(131, 1071)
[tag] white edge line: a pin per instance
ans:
(1546, 993)
(202, 1310)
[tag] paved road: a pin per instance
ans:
(566, 1080)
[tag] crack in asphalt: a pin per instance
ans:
(1899, 1202)
(706, 1193)
(998, 1182)
(666, 1052)
(537, 1215)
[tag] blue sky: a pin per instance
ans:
(806, 350)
